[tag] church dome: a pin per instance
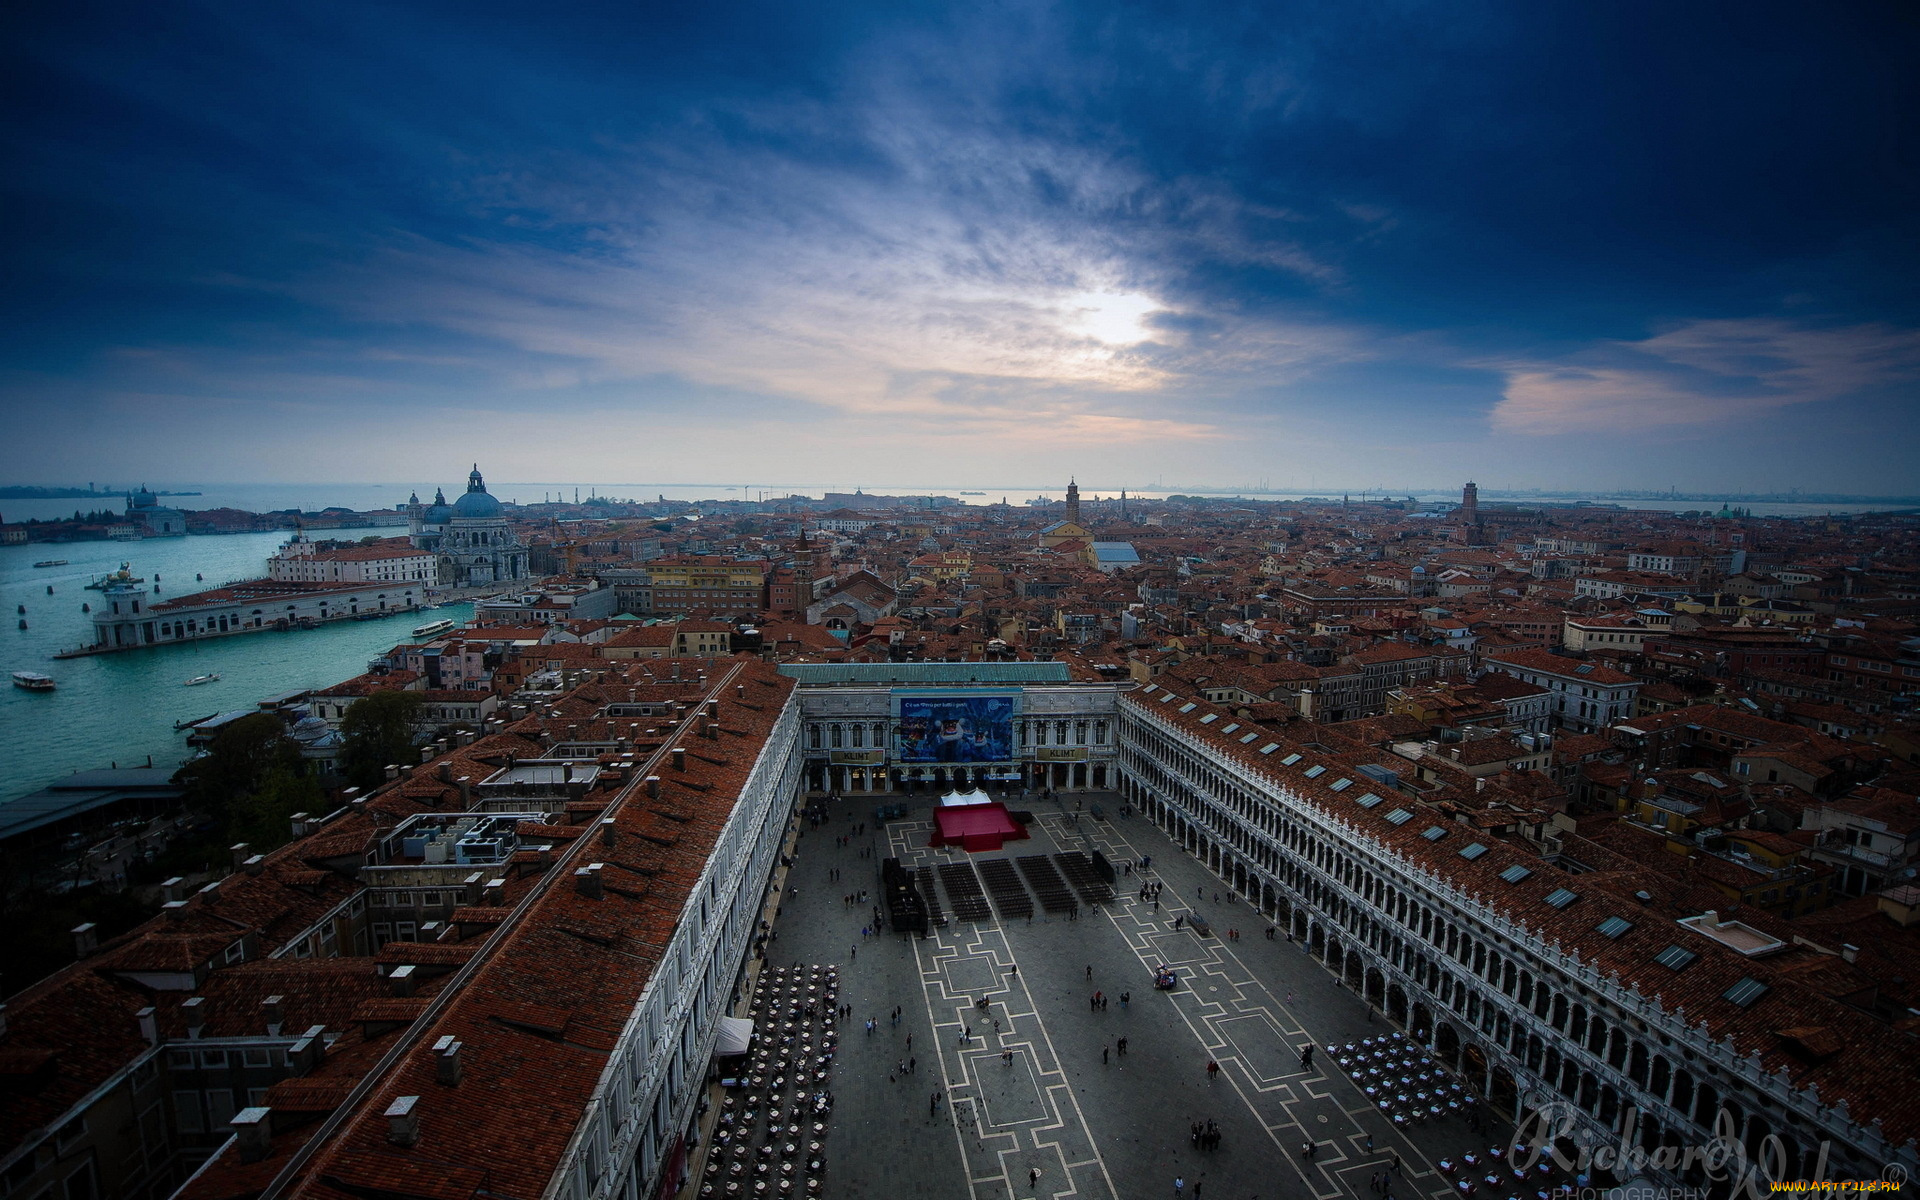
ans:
(477, 504)
(440, 513)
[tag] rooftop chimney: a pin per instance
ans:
(586, 881)
(253, 1129)
(194, 1010)
(210, 894)
(241, 852)
(447, 1056)
(84, 940)
(176, 910)
(653, 787)
(149, 1025)
(445, 772)
(403, 1121)
(254, 864)
(275, 1009)
(1849, 951)
(393, 772)
(679, 758)
(299, 824)
(401, 980)
(607, 833)
(495, 892)
(170, 889)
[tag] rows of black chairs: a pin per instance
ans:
(1055, 895)
(1085, 877)
(1009, 895)
(964, 892)
(924, 877)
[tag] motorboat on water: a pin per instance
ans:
(123, 575)
(209, 677)
(51, 562)
(431, 628)
(33, 681)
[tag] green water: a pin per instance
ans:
(122, 707)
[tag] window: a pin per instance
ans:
(1368, 800)
(1315, 771)
(1210, 718)
(1289, 760)
(1189, 706)
(1745, 992)
(1270, 747)
(1613, 927)
(1341, 785)
(1399, 816)
(1561, 897)
(1676, 958)
(1230, 728)
(1515, 873)
(1473, 851)
(186, 1109)
(1433, 833)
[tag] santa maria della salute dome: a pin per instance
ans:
(471, 537)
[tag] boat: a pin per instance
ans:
(123, 575)
(51, 562)
(431, 628)
(33, 681)
(973, 493)
(209, 677)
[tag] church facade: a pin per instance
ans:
(471, 540)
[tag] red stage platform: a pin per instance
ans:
(976, 827)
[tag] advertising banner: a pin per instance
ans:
(967, 728)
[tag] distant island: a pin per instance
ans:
(19, 492)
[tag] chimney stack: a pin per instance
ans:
(170, 889)
(253, 1129)
(495, 892)
(445, 772)
(210, 894)
(393, 772)
(85, 942)
(194, 1010)
(149, 1025)
(466, 792)
(275, 1009)
(241, 852)
(607, 832)
(653, 787)
(401, 980)
(679, 758)
(447, 1057)
(299, 824)
(254, 864)
(403, 1121)
(586, 881)
(1849, 951)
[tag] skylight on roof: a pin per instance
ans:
(1676, 958)
(1189, 706)
(1251, 737)
(1289, 760)
(1745, 992)
(1209, 719)
(1230, 728)
(1316, 771)
(1270, 747)
(1583, 668)
(1472, 852)
(1368, 800)
(1515, 873)
(1399, 816)
(1433, 833)
(1341, 785)
(1165, 696)
(1561, 897)
(1613, 927)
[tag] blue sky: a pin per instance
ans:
(1356, 245)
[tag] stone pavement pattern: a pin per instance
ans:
(1096, 1122)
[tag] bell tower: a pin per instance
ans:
(1073, 501)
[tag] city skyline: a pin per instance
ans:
(1568, 251)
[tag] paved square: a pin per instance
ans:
(1096, 1122)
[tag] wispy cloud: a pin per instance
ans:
(1700, 373)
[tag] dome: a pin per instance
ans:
(477, 504)
(440, 513)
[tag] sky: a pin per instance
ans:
(1330, 245)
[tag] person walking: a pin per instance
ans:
(1123, 1047)
(1179, 1186)
(913, 1065)
(1033, 1177)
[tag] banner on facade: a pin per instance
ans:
(857, 758)
(958, 727)
(1059, 754)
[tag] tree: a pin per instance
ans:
(238, 760)
(376, 731)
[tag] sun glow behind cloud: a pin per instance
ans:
(1116, 318)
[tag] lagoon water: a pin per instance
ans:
(122, 707)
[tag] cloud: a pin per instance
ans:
(1700, 373)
